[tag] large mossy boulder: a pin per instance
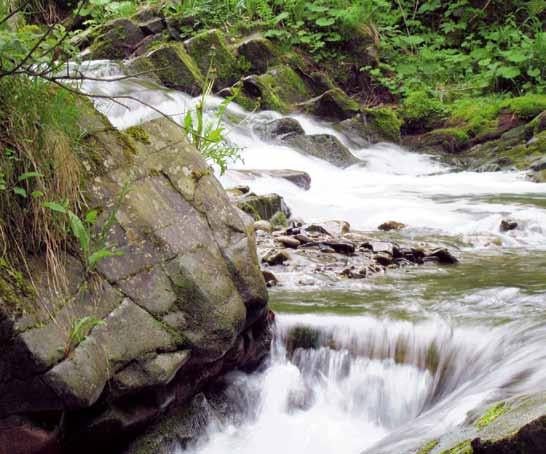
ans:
(180, 302)
(259, 52)
(117, 40)
(210, 51)
(325, 147)
(280, 89)
(333, 105)
(174, 68)
(372, 125)
(264, 207)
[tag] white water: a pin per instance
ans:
(356, 392)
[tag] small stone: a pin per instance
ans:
(326, 249)
(306, 281)
(270, 279)
(383, 258)
(288, 241)
(341, 247)
(391, 225)
(507, 225)
(275, 257)
(380, 246)
(442, 255)
(303, 239)
(264, 226)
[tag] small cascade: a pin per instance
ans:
(342, 384)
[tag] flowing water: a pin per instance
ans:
(403, 357)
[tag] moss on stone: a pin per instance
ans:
(304, 337)
(385, 121)
(452, 140)
(491, 414)
(117, 40)
(139, 134)
(427, 447)
(210, 51)
(462, 448)
(526, 107)
(176, 69)
(16, 292)
(334, 104)
(259, 53)
(279, 220)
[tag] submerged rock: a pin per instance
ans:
(507, 225)
(279, 129)
(297, 177)
(391, 225)
(324, 146)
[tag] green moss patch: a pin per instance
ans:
(462, 448)
(491, 414)
(427, 447)
(138, 133)
(385, 121)
(526, 107)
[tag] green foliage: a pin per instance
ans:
(526, 107)
(421, 110)
(93, 245)
(208, 135)
(79, 331)
(99, 11)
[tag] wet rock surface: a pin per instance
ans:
(323, 254)
(297, 177)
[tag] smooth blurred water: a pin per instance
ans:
(403, 357)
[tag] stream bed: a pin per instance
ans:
(399, 358)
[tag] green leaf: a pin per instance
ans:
(80, 232)
(27, 175)
(325, 21)
(37, 194)
(91, 216)
(53, 206)
(20, 191)
(101, 254)
(509, 72)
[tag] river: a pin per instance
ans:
(401, 357)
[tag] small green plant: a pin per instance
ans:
(92, 246)
(208, 136)
(79, 331)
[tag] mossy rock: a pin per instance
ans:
(264, 207)
(259, 52)
(117, 40)
(491, 414)
(304, 337)
(210, 51)
(175, 68)
(461, 448)
(450, 140)
(16, 292)
(526, 107)
(384, 122)
(428, 447)
(279, 89)
(334, 105)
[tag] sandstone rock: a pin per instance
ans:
(324, 146)
(288, 241)
(391, 225)
(188, 285)
(263, 226)
(270, 279)
(275, 257)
